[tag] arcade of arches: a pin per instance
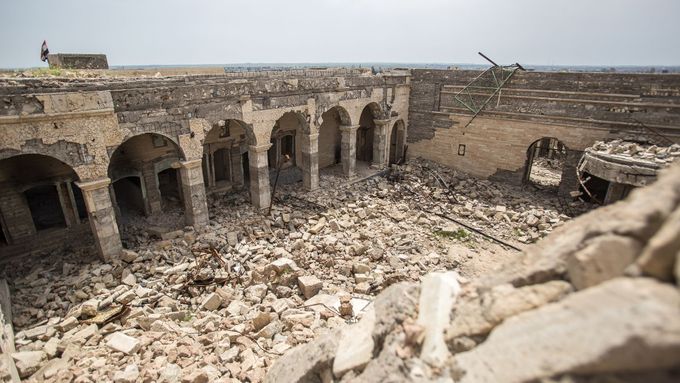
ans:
(148, 176)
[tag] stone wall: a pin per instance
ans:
(576, 108)
(78, 61)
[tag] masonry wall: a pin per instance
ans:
(576, 108)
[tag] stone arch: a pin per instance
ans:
(146, 167)
(330, 137)
(225, 161)
(545, 158)
(376, 110)
(397, 142)
(342, 113)
(69, 153)
(170, 138)
(365, 137)
(39, 193)
(285, 138)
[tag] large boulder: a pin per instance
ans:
(658, 257)
(623, 325)
(307, 363)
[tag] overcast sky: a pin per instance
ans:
(569, 32)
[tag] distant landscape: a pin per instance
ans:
(387, 65)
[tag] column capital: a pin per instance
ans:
(259, 148)
(191, 163)
(92, 185)
(348, 128)
(381, 122)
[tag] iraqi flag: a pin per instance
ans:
(44, 51)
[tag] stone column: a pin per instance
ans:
(348, 147)
(260, 195)
(236, 166)
(193, 190)
(102, 217)
(380, 142)
(310, 161)
(152, 194)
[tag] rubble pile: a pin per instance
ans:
(661, 155)
(597, 300)
(224, 304)
(547, 172)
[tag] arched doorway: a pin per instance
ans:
(285, 152)
(145, 175)
(330, 137)
(366, 133)
(545, 162)
(397, 138)
(40, 202)
(224, 148)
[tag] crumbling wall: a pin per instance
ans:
(78, 61)
(576, 108)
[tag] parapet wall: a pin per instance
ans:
(78, 61)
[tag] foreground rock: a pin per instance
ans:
(595, 301)
(622, 325)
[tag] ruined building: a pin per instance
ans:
(234, 216)
(75, 155)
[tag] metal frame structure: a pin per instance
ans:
(487, 85)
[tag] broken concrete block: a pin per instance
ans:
(128, 256)
(232, 238)
(296, 364)
(604, 257)
(438, 292)
(282, 265)
(319, 226)
(658, 257)
(28, 362)
(355, 348)
(128, 278)
(89, 308)
(309, 285)
(270, 329)
(212, 302)
(123, 343)
(623, 324)
(129, 375)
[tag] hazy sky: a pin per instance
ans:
(588, 32)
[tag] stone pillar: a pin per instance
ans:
(380, 142)
(152, 194)
(193, 190)
(102, 217)
(348, 146)
(260, 195)
(68, 209)
(310, 161)
(236, 167)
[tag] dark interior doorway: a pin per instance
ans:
(43, 202)
(365, 144)
(129, 195)
(168, 184)
(221, 158)
(80, 201)
(246, 167)
(3, 239)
